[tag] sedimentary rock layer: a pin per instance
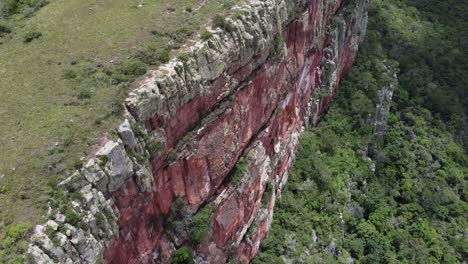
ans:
(213, 135)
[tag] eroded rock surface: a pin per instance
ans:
(217, 131)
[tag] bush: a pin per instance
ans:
(128, 70)
(4, 29)
(206, 35)
(84, 93)
(228, 4)
(30, 36)
(184, 57)
(165, 56)
(200, 224)
(188, 9)
(153, 55)
(132, 68)
(155, 147)
(238, 172)
(183, 255)
(71, 217)
(11, 7)
(220, 22)
(266, 195)
(14, 243)
(14, 233)
(277, 45)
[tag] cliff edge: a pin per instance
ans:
(207, 140)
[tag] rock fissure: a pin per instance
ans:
(232, 100)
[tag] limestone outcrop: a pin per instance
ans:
(209, 138)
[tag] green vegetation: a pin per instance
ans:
(12, 243)
(277, 46)
(64, 72)
(30, 36)
(267, 195)
(238, 172)
(184, 57)
(200, 224)
(24, 8)
(183, 255)
(206, 35)
(220, 22)
(402, 197)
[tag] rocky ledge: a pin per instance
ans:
(206, 142)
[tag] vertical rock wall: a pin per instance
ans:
(210, 138)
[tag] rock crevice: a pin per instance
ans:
(218, 130)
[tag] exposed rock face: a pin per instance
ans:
(384, 102)
(217, 131)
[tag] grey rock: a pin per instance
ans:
(95, 175)
(38, 255)
(118, 165)
(127, 135)
(60, 218)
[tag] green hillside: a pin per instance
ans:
(353, 197)
(65, 67)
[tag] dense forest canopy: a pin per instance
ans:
(357, 196)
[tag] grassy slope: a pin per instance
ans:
(43, 123)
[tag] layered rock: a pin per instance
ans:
(216, 131)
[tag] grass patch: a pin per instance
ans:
(30, 36)
(219, 21)
(200, 224)
(206, 35)
(13, 245)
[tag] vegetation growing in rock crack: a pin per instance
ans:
(183, 255)
(200, 224)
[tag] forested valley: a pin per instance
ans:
(386, 184)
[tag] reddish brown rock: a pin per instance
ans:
(259, 119)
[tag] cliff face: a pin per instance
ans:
(207, 142)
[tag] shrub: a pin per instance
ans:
(188, 9)
(200, 224)
(30, 36)
(4, 29)
(220, 22)
(184, 57)
(14, 243)
(181, 34)
(165, 56)
(206, 35)
(277, 44)
(171, 156)
(11, 7)
(155, 147)
(182, 255)
(153, 55)
(238, 172)
(128, 70)
(70, 74)
(132, 68)
(71, 217)
(14, 233)
(228, 4)
(84, 93)
(266, 195)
